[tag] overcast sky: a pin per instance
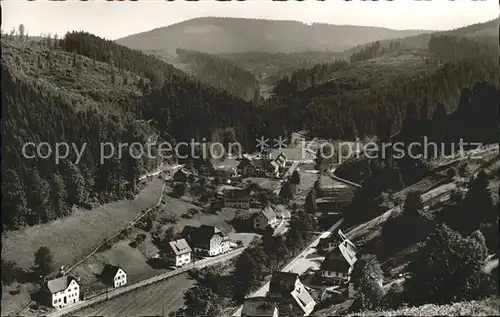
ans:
(113, 20)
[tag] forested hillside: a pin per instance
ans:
(478, 31)
(216, 35)
(270, 67)
(221, 73)
(84, 89)
(52, 96)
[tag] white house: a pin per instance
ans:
(292, 296)
(265, 218)
(207, 240)
(64, 291)
(114, 275)
(179, 252)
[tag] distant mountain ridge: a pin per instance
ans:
(484, 30)
(216, 35)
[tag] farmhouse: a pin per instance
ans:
(266, 218)
(237, 198)
(114, 275)
(63, 291)
(178, 253)
(246, 168)
(338, 264)
(182, 175)
(206, 240)
(291, 295)
(259, 307)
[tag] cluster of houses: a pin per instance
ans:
(65, 289)
(263, 165)
(202, 241)
(288, 296)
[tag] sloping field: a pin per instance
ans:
(72, 237)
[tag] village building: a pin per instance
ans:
(206, 240)
(178, 253)
(113, 275)
(63, 291)
(259, 307)
(291, 295)
(266, 218)
(246, 168)
(237, 198)
(183, 175)
(339, 263)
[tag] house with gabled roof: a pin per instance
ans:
(246, 167)
(182, 175)
(63, 291)
(266, 218)
(206, 240)
(113, 275)
(178, 253)
(292, 297)
(339, 263)
(237, 198)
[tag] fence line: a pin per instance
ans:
(131, 224)
(94, 249)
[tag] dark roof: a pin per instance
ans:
(59, 284)
(282, 282)
(179, 246)
(187, 231)
(200, 236)
(335, 261)
(258, 306)
(246, 161)
(109, 272)
(332, 238)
